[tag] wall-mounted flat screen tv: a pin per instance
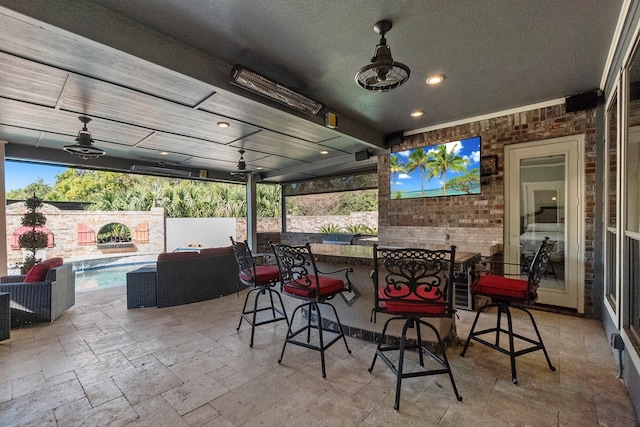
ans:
(447, 169)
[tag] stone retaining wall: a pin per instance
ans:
(64, 225)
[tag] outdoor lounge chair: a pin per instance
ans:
(43, 300)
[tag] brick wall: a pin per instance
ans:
(480, 217)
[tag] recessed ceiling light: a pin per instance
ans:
(223, 124)
(324, 152)
(417, 113)
(259, 168)
(163, 153)
(434, 80)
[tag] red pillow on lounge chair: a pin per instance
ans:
(55, 262)
(39, 271)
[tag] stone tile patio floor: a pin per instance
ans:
(101, 364)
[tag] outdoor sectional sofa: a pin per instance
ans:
(49, 290)
(187, 277)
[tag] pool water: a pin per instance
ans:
(107, 272)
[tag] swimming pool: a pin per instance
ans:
(107, 272)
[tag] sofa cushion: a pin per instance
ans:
(226, 250)
(177, 256)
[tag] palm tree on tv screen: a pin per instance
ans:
(395, 167)
(440, 161)
(418, 159)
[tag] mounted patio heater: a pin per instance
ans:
(266, 87)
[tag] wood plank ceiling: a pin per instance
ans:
(155, 93)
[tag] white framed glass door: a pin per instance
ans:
(543, 193)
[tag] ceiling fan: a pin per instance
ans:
(383, 73)
(84, 147)
(241, 169)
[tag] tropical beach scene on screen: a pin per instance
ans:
(447, 169)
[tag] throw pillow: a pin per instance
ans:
(37, 273)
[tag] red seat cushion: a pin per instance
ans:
(502, 287)
(328, 286)
(401, 300)
(265, 275)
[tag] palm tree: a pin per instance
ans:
(441, 161)
(268, 201)
(396, 167)
(418, 159)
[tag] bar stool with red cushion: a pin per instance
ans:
(507, 293)
(262, 279)
(301, 279)
(411, 285)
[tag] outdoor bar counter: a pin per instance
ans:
(356, 317)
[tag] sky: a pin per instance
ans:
(18, 175)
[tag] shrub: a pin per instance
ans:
(330, 228)
(361, 229)
(34, 239)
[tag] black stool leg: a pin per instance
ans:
(419, 336)
(544, 349)
(244, 308)
(273, 307)
(445, 359)
(512, 351)
(473, 328)
(339, 326)
(284, 312)
(403, 340)
(289, 335)
(380, 341)
(310, 314)
(319, 317)
(255, 313)
(499, 324)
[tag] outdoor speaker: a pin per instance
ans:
(582, 101)
(393, 138)
(362, 155)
